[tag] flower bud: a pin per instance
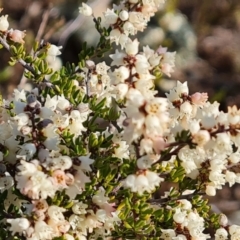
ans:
(4, 24)
(16, 36)
(123, 15)
(223, 220)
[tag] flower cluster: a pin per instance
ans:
(82, 154)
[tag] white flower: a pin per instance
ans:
(234, 229)
(19, 95)
(121, 74)
(63, 104)
(168, 63)
(28, 150)
(4, 24)
(21, 119)
(146, 181)
(129, 28)
(27, 168)
(201, 137)
(86, 10)
(6, 182)
(179, 216)
(79, 208)
(186, 108)
(131, 47)
(55, 213)
(102, 68)
(144, 162)
(99, 198)
(121, 90)
(86, 161)
(43, 231)
(110, 17)
(54, 51)
(231, 178)
(180, 237)
(221, 234)
(18, 225)
(185, 204)
(167, 234)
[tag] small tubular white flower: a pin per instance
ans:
(21, 119)
(221, 234)
(131, 47)
(167, 234)
(43, 231)
(121, 74)
(18, 225)
(129, 28)
(99, 198)
(86, 161)
(121, 90)
(55, 213)
(144, 162)
(28, 149)
(185, 204)
(79, 208)
(234, 229)
(54, 51)
(102, 68)
(179, 216)
(4, 24)
(186, 108)
(234, 157)
(110, 16)
(201, 137)
(146, 181)
(6, 182)
(85, 10)
(63, 104)
(231, 178)
(27, 168)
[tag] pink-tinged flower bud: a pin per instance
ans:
(16, 35)
(199, 98)
(59, 177)
(4, 24)
(223, 220)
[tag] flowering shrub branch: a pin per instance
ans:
(82, 153)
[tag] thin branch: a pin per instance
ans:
(163, 201)
(74, 25)
(38, 38)
(20, 60)
(43, 24)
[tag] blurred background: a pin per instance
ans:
(205, 34)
